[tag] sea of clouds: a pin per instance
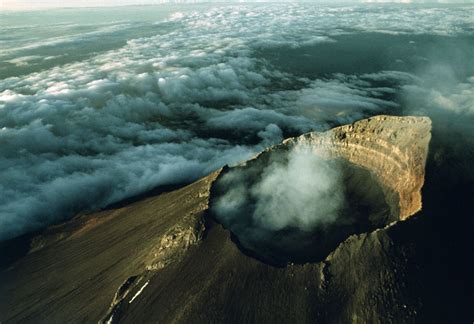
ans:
(200, 93)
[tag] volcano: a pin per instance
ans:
(170, 257)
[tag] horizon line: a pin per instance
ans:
(235, 2)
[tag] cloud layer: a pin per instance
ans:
(171, 107)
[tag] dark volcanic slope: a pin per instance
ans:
(162, 259)
(74, 270)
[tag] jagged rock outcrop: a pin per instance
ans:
(163, 259)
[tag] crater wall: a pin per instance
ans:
(393, 148)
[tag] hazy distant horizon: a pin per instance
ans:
(13, 5)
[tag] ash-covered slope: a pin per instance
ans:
(165, 258)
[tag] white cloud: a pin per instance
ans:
(173, 107)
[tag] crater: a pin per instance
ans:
(296, 202)
(275, 227)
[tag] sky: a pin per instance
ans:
(38, 4)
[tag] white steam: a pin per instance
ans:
(299, 189)
(305, 192)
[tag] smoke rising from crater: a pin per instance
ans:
(279, 202)
(304, 192)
